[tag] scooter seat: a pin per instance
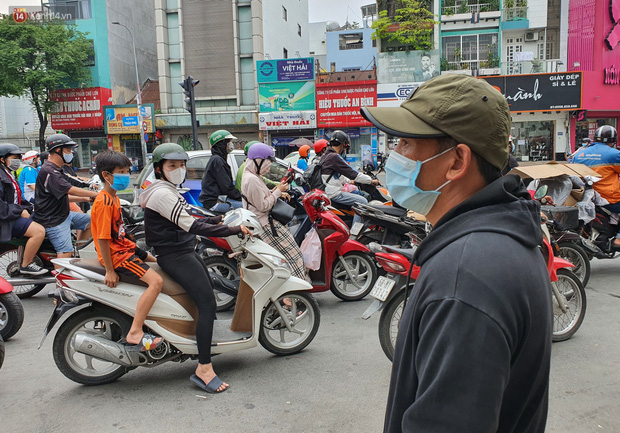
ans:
(170, 287)
(405, 252)
(390, 210)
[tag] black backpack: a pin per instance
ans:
(312, 177)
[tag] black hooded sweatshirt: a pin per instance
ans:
(474, 342)
(217, 179)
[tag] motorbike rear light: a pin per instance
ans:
(391, 266)
(61, 278)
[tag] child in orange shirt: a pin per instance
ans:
(117, 253)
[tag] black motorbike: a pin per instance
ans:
(387, 225)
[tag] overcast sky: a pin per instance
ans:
(336, 10)
(319, 10)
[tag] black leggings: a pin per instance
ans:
(191, 273)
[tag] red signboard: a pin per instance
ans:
(80, 108)
(338, 104)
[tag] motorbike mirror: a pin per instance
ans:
(541, 192)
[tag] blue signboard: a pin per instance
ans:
(271, 71)
(130, 121)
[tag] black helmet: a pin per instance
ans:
(59, 140)
(606, 134)
(339, 137)
(7, 149)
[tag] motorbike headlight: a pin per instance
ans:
(278, 261)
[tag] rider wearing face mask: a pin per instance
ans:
(54, 190)
(475, 318)
(15, 219)
(217, 179)
(260, 200)
(336, 172)
(171, 230)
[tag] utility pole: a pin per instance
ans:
(190, 105)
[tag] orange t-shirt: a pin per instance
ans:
(106, 221)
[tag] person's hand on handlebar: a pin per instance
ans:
(547, 200)
(375, 182)
(245, 231)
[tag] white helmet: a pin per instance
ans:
(30, 156)
(242, 216)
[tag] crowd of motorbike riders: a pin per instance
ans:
(37, 192)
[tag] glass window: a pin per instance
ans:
(533, 140)
(245, 30)
(588, 128)
(196, 167)
(172, 4)
(90, 60)
(351, 41)
(173, 36)
(239, 159)
(177, 91)
(277, 171)
(466, 51)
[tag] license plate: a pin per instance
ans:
(382, 288)
(356, 229)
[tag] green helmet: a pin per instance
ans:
(220, 135)
(247, 146)
(169, 151)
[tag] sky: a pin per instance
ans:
(335, 10)
(319, 10)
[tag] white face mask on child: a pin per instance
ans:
(176, 176)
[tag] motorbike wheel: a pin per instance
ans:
(304, 317)
(1, 351)
(11, 315)
(226, 268)
(573, 295)
(9, 268)
(364, 273)
(86, 369)
(388, 324)
(573, 253)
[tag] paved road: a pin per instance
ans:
(338, 384)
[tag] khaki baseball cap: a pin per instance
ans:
(467, 109)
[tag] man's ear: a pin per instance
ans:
(461, 162)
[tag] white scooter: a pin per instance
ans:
(88, 348)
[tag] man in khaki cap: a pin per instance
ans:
(474, 342)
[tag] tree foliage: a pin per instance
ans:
(412, 24)
(38, 57)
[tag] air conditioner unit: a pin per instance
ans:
(531, 37)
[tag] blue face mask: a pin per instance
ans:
(400, 176)
(121, 181)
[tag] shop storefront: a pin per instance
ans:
(79, 113)
(593, 47)
(338, 107)
(540, 107)
(123, 130)
(280, 129)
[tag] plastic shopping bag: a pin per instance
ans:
(311, 250)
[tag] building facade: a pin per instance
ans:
(218, 43)
(593, 48)
(80, 111)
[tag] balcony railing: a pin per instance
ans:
(514, 13)
(468, 9)
(532, 67)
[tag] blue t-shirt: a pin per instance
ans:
(26, 177)
(302, 164)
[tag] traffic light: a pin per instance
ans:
(190, 104)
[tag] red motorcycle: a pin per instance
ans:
(11, 310)
(347, 267)
(568, 294)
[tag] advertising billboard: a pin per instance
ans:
(287, 120)
(407, 66)
(540, 92)
(392, 94)
(291, 96)
(123, 119)
(272, 71)
(79, 108)
(338, 104)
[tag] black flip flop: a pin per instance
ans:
(211, 387)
